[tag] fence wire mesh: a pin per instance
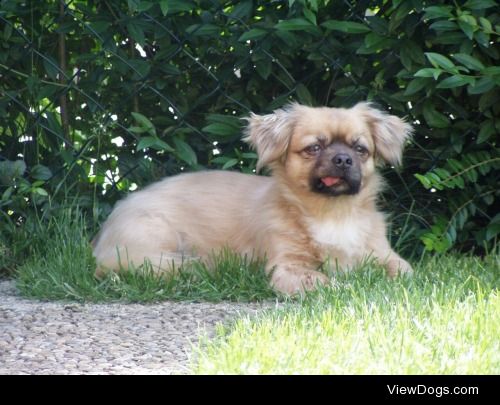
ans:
(102, 88)
(100, 97)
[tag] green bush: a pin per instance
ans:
(97, 98)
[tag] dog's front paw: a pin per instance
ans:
(295, 281)
(397, 267)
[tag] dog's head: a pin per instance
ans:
(331, 151)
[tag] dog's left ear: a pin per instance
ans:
(389, 132)
(270, 134)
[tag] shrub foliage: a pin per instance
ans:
(97, 97)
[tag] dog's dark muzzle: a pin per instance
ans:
(338, 172)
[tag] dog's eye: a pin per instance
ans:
(313, 149)
(360, 149)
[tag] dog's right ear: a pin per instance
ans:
(270, 134)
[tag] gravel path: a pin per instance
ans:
(70, 338)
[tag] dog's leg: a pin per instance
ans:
(394, 264)
(291, 277)
(381, 249)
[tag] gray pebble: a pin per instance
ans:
(68, 338)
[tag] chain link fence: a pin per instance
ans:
(100, 97)
(163, 82)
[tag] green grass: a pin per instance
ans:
(444, 319)
(61, 267)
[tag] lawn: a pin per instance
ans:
(443, 320)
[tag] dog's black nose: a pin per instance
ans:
(342, 160)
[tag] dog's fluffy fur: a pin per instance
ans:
(319, 202)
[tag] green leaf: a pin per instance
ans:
(373, 39)
(249, 155)
(433, 12)
(294, 24)
(487, 129)
(487, 99)
(442, 173)
(349, 27)
(229, 120)
(482, 85)
(133, 4)
(220, 159)
(7, 193)
(222, 125)
(146, 142)
(140, 68)
(202, 30)
(220, 129)
(416, 85)
(98, 27)
(482, 39)
(230, 163)
(310, 16)
(144, 123)
(46, 92)
(170, 69)
(10, 170)
(444, 25)
(410, 52)
(434, 118)
(40, 191)
(429, 72)
(425, 182)
(185, 152)
(40, 172)
(468, 61)
(32, 83)
(491, 71)
(154, 143)
(438, 60)
(495, 220)
(461, 218)
(449, 38)
(178, 6)
(164, 7)
(7, 32)
(254, 33)
(303, 94)
(137, 130)
(455, 165)
(144, 5)
(452, 232)
(480, 4)
(242, 10)
(459, 181)
(489, 199)
(467, 29)
(313, 4)
(51, 67)
(264, 68)
(486, 24)
(136, 33)
(492, 230)
(455, 81)
(468, 25)
(54, 124)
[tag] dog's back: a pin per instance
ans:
(180, 217)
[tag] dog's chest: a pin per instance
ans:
(346, 237)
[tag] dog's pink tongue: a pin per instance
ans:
(330, 181)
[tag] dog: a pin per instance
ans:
(319, 202)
